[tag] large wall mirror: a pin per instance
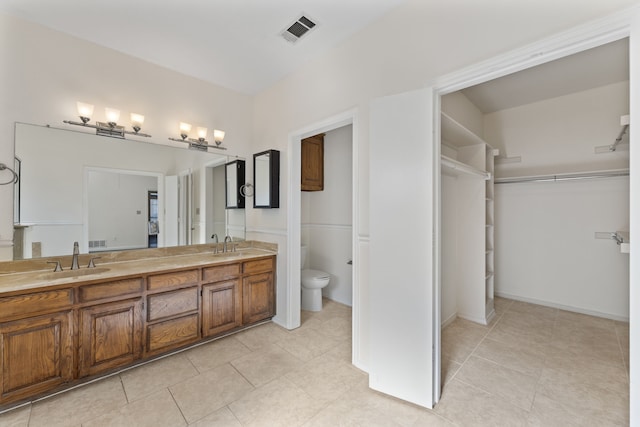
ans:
(266, 179)
(111, 194)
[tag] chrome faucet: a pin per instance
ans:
(215, 248)
(224, 247)
(76, 252)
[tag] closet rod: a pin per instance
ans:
(564, 177)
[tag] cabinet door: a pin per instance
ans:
(312, 163)
(37, 355)
(221, 307)
(258, 298)
(110, 336)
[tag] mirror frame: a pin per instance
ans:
(273, 186)
(239, 165)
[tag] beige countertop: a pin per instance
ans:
(28, 280)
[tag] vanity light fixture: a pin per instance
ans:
(201, 142)
(110, 127)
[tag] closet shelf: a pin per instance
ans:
(454, 167)
(456, 134)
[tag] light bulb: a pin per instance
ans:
(136, 121)
(202, 133)
(218, 136)
(185, 128)
(113, 115)
(85, 111)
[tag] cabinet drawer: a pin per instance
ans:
(172, 333)
(111, 289)
(258, 266)
(36, 302)
(171, 280)
(223, 272)
(172, 303)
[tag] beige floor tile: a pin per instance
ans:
(79, 405)
(326, 378)
(147, 379)
(342, 351)
(431, 419)
(585, 320)
(278, 403)
(522, 329)
(261, 336)
(264, 365)
(460, 338)
(200, 396)
(513, 386)
(526, 358)
(338, 327)
(362, 406)
(306, 344)
(155, 410)
(18, 417)
(501, 305)
(604, 348)
(448, 368)
(216, 353)
(598, 404)
(548, 412)
(466, 405)
(223, 417)
(542, 312)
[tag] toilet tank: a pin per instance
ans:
(303, 256)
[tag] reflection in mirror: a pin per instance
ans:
(111, 194)
(235, 174)
(266, 179)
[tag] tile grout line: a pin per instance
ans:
(178, 406)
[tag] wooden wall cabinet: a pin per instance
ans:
(312, 163)
(53, 337)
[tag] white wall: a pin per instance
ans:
(546, 250)
(326, 217)
(560, 134)
(545, 246)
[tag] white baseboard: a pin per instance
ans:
(563, 307)
(448, 320)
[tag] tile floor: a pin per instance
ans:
(533, 366)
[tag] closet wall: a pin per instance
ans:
(546, 247)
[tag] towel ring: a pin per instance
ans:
(15, 175)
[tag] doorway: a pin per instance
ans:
(294, 232)
(507, 165)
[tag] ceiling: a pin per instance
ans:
(585, 70)
(232, 43)
(237, 43)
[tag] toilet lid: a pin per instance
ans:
(314, 274)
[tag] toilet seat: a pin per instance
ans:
(306, 275)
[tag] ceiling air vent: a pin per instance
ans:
(298, 29)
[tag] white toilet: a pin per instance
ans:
(312, 282)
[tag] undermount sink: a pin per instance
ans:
(72, 274)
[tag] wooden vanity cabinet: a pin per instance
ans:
(52, 337)
(36, 342)
(221, 299)
(312, 159)
(36, 355)
(110, 336)
(258, 294)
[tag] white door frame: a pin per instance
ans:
(294, 218)
(614, 27)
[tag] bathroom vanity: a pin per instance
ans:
(58, 329)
